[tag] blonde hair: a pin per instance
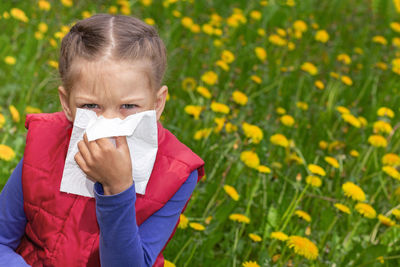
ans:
(113, 37)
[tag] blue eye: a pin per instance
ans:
(89, 106)
(128, 106)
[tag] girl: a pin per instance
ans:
(112, 65)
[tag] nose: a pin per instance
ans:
(110, 114)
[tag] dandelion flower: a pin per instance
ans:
(354, 153)
(18, 14)
(322, 36)
(303, 247)
(2, 120)
(382, 127)
(287, 120)
(304, 215)
(396, 213)
(255, 237)
(280, 140)
(239, 97)
(279, 236)
(256, 79)
(189, 84)
(239, 218)
(194, 111)
(315, 169)
(391, 159)
(44, 5)
(314, 181)
(197, 226)
(344, 58)
(231, 191)
(227, 56)
(261, 53)
(343, 110)
(202, 133)
(250, 159)
(252, 131)
(319, 84)
(264, 169)
(183, 221)
(219, 107)
(332, 161)
(384, 111)
(310, 68)
(6, 153)
(351, 119)
(366, 210)
(30, 109)
(300, 26)
(353, 191)
(167, 263)
(14, 113)
(391, 171)
(10, 60)
(342, 208)
(209, 77)
(379, 40)
(203, 91)
(220, 124)
(377, 141)
(346, 80)
(386, 220)
(250, 264)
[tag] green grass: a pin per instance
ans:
(269, 200)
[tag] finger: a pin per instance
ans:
(120, 141)
(84, 152)
(105, 143)
(92, 145)
(81, 162)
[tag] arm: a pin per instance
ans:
(122, 242)
(12, 219)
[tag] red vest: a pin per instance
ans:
(62, 228)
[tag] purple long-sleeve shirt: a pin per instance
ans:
(122, 242)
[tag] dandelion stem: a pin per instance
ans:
(235, 246)
(328, 231)
(191, 254)
(182, 249)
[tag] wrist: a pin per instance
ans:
(116, 189)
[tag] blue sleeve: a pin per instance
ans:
(122, 242)
(12, 219)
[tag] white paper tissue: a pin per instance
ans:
(140, 130)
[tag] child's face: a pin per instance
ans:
(114, 90)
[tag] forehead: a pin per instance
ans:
(110, 77)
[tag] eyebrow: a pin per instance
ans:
(89, 98)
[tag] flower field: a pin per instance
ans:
(293, 105)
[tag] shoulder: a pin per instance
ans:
(46, 118)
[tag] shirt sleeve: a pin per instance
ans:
(122, 242)
(12, 219)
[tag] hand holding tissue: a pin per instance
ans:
(141, 134)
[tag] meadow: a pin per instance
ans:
(291, 104)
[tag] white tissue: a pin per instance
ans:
(141, 134)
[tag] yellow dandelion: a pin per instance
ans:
(366, 210)
(323, 144)
(203, 91)
(183, 221)
(250, 159)
(377, 141)
(279, 236)
(261, 53)
(396, 213)
(396, 65)
(189, 84)
(322, 36)
(354, 153)
(197, 226)
(381, 65)
(344, 58)
(304, 215)
(229, 127)
(362, 120)
(220, 124)
(314, 181)
(386, 220)
(255, 237)
(231, 191)
(353, 191)
(315, 169)
(319, 84)
(264, 169)
(227, 56)
(382, 127)
(351, 119)
(303, 247)
(280, 110)
(255, 14)
(277, 40)
(391, 159)
(239, 218)
(302, 105)
(149, 21)
(300, 26)
(18, 14)
(219, 107)
(385, 111)
(287, 120)
(14, 113)
(239, 97)
(222, 64)
(202, 133)
(252, 131)
(194, 110)
(342, 208)
(209, 77)
(379, 39)
(53, 63)
(346, 80)
(391, 171)
(10, 60)
(30, 109)
(256, 79)
(280, 140)
(395, 26)
(309, 67)
(167, 263)
(2, 120)
(44, 5)
(332, 161)
(250, 264)
(67, 3)
(6, 153)
(343, 110)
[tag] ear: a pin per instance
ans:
(160, 100)
(64, 100)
